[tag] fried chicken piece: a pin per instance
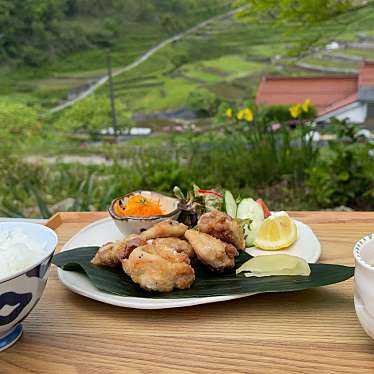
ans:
(211, 251)
(164, 229)
(222, 226)
(179, 245)
(110, 254)
(159, 268)
(107, 254)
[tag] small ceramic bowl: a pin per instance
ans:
(21, 291)
(364, 283)
(131, 224)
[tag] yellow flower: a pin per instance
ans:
(305, 106)
(229, 113)
(248, 115)
(295, 110)
(245, 114)
(240, 115)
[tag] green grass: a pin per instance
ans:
(346, 37)
(149, 87)
(195, 71)
(57, 84)
(365, 53)
(96, 73)
(369, 33)
(234, 65)
(266, 50)
(79, 146)
(173, 95)
(331, 64)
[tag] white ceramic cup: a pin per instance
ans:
(364, 283)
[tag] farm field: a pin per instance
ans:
(219, 54)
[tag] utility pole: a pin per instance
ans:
(111, 95)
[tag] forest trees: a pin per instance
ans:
(28, 26)
(34, 31)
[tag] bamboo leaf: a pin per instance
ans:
(115, 281)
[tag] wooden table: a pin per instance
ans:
(313, 331)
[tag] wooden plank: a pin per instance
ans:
(313, 331)
(55, 221)
(75, 217)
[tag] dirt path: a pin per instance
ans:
(143, 58)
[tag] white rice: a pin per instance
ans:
(18, 251)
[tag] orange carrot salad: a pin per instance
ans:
(138, 206)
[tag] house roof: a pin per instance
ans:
(327, 93)
(366, 75)
(339, 104)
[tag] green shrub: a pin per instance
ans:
(247, 156)
(344, 172)
(276, 113)
(18, 125)
(203, 101)
(92, 115)
(343, 175)
(277, 150)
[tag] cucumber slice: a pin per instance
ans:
(230, 204)
(250, 232)
(249, 209)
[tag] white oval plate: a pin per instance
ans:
(307, 245)
(103, 231)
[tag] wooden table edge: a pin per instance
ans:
(70, 217)
(311, 216)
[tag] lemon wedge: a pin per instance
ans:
(280, 264)
(277, 232)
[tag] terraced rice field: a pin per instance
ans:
(228, 57)
(356, 52)
(206, 60)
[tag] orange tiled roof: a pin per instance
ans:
(339, 104)
(323, 91)
(327, 92)
(366, 75)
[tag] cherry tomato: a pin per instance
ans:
(264, 207)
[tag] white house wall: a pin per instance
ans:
(355, 112)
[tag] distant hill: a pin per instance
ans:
(36, 32)
(222, 61)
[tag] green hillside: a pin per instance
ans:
(72, 53)
(225, 58)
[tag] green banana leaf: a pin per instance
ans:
(207, 283)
